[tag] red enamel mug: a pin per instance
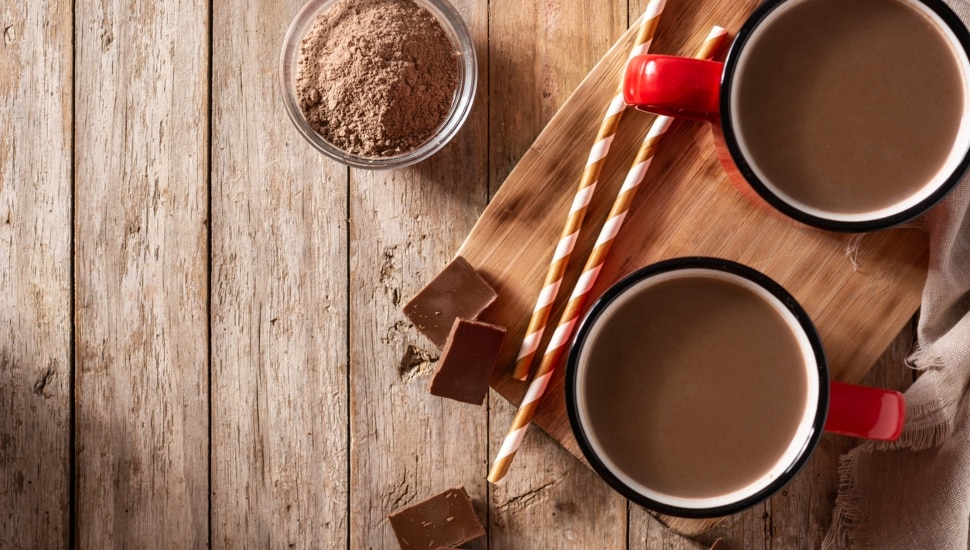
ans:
(846, 116)
(688, 411)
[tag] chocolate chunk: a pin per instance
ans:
(458, 291)
(467, 361)
(444, 520)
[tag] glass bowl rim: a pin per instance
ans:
(456, 30)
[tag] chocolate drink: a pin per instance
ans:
(848, 106)
(693, 387)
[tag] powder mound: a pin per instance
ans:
(376, 77)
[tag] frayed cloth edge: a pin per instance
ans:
(928, 425)
(850, 511)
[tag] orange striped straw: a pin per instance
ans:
(591, 174)
(577, 300)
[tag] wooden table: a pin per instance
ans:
(201, 341)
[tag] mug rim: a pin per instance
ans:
(743, 36)
(694, 263)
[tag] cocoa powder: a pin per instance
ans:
(376, 77)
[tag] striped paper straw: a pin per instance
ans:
(570, 317)
(577, 211)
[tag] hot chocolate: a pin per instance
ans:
(693, 386)
(848, 106)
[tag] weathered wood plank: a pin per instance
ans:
(141, 273)
(551, 499)
(405, 226)
(35, 273)
(539, 52)
(648, 533)
(747, 529)
(321, 420)
(279, 280)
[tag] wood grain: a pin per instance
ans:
(141, 266)
(539, 52)
(35, 273)
(407, 444)
(279, 303)
(242, 374)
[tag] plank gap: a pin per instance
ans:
(72, 498)
(348, 432)
(208, 266)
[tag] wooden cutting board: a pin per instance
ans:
(859, 290)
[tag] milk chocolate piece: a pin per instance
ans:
(458, 291)
(467, 361)
(444, 520)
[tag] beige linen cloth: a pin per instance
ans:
(915, 492)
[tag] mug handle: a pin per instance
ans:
(679, 87)
(863, 411)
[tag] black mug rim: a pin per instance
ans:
(679, 264)
(730, 67)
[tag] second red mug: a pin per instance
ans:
(698, 387)
(847, 116)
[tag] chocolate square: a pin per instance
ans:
(444, 520)
(458, 291)
(467, 361)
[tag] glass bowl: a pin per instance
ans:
(453, 26)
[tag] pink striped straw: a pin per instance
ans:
(574, 221)
(577, 300)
